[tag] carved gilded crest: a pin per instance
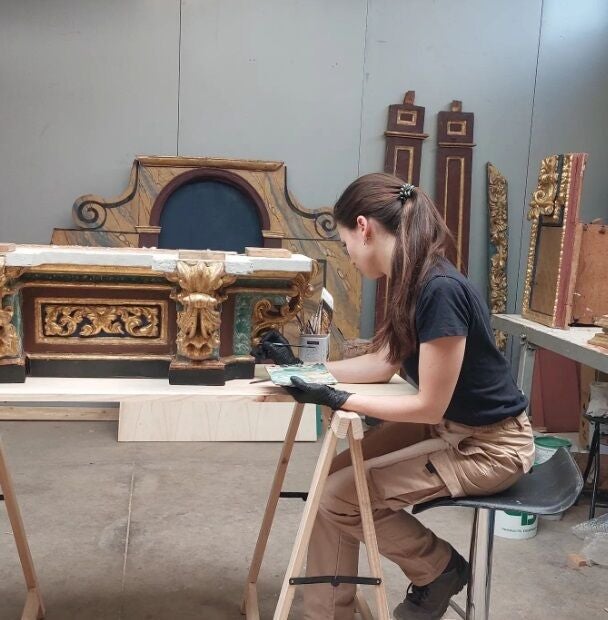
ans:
(200, 295)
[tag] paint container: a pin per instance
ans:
(515, 525)
(314, 348)
(545, 447)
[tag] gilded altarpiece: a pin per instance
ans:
(114, 312)
(134, 220)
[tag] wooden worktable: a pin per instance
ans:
(65, 390)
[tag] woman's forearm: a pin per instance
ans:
(368, 368)
(412, 408)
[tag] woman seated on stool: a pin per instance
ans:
(437, 327)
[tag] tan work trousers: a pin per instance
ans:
(407, 464)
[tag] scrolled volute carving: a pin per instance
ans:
(267, 315)
(325, 225)
(91, 212)
(200, 295)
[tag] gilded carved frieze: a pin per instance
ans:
(498, 216)
(200, 294)
(88, 321)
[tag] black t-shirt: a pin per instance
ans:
(449, 305)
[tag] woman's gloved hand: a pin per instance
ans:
(317, 394)
(273, 345)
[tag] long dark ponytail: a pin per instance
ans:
(421, 240)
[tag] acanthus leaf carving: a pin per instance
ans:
(200, 295)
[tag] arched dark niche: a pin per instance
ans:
(209, 209)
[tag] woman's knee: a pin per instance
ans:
(340, 495)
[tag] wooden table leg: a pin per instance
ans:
(367, 519)
(249, 606)
(306, 523)
(525, 372)
(361, 606)
(34, 607)
(344, 424)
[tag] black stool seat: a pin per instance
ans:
(547, 489)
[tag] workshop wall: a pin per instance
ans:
(86, 86)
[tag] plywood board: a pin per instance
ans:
(190, 419)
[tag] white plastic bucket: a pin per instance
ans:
(515, 525)
(546, 446)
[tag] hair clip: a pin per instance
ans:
(406, 191)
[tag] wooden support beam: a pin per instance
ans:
(11, 412)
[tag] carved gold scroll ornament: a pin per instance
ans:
(9, 338)
(498, 215)
(267, 315)
(200, 294)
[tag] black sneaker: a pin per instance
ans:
(430, 602)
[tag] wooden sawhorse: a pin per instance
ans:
(34, 607)
(43, 389)
(343, 424)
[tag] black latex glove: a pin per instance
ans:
(317, 394)
(268, 349)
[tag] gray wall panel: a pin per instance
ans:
(279, 79)
(85, 87)
(571, 102)
(467, 51)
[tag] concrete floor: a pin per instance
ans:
(166, 531)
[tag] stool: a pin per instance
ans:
(549, 488)
(594, 458)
